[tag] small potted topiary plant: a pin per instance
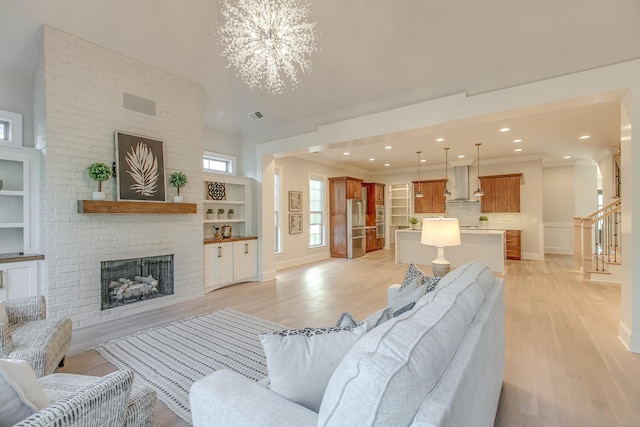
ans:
(413, 221)
(178, 180)
(220, 213)
(483, 220)
(100, 173)
(209, 213)
(230, 214)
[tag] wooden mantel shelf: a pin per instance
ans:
(116, 207)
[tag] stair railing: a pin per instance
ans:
(596, 239)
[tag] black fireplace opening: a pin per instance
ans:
(127, 281)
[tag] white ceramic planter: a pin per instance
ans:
(177, 199)
(98, 195)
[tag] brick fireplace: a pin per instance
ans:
(78, 105)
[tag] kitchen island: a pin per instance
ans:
(482, 245)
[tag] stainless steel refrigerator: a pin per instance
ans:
(356, 235)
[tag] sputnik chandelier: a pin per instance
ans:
(267, 41)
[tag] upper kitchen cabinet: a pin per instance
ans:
(375, 197)
(432, 200)
(501, 193)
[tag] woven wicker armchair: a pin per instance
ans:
(114, 400)
(32, 337)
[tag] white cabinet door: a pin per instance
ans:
(18, 280)
(226, 263)
(218, 265)
(245, 260)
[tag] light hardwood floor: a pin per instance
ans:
(564, 363)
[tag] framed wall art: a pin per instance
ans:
(295, 201)
(295, 223)
(140, 168)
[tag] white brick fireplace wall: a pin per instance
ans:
(78, 104)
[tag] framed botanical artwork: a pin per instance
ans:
(295, 201)
(295, 223)
(140, 168)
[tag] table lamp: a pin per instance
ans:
(440, 232)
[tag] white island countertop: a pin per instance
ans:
(477, 244)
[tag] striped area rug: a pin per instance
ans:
(172, 357)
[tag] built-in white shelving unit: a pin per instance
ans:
(400, 204)
(19, 173)
(237, 191)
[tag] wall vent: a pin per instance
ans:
(256, 115)
(139, 104)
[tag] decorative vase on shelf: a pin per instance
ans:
(177, 199)
(98, 195)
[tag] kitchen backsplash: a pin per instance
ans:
(468, 213)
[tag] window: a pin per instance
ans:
(10, 128)
(277, 232)
(218, 163)
(316, 210)
(4, 130)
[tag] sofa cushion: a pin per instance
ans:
(379, 317)
(375, 319)
(410, 293)
(20, 392)
(300, 362)
(387, 374)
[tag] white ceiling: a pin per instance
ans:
(375, 55)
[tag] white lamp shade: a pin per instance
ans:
(440, 232)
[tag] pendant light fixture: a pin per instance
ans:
(478, 192)
(419, 192)
(446, 191)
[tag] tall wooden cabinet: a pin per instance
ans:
(432, 200)
(341, 189)
(375, 203)
(501, 193)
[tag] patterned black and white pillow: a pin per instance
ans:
(346, 319)
(310, 332)
(412, 275)
(417, 276)
(431, 282)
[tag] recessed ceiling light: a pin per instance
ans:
(423, 161)
(346, 153)
(505, 129)
(585, 137)
(517, 140)
(371, 159)
(439, 139)
(517, 150)
(566, 157)
(388, 147)
(387, 164)
(461, 156)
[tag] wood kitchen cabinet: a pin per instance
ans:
(375, 197)
(432, 200)
(340, 189)
(501, 193)
(512, 245)
(372, 243)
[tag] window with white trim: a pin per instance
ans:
(277, 218)
(218, 163)
(4, 130)
(316, 210)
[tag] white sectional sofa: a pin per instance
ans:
(438, 364)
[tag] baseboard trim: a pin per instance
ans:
(299, 261)
(630, 340)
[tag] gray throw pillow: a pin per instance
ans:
(301, 362)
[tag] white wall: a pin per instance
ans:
(80, 88)
(16, 96)
(295, 177)
(558, 185)
(223, 142)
